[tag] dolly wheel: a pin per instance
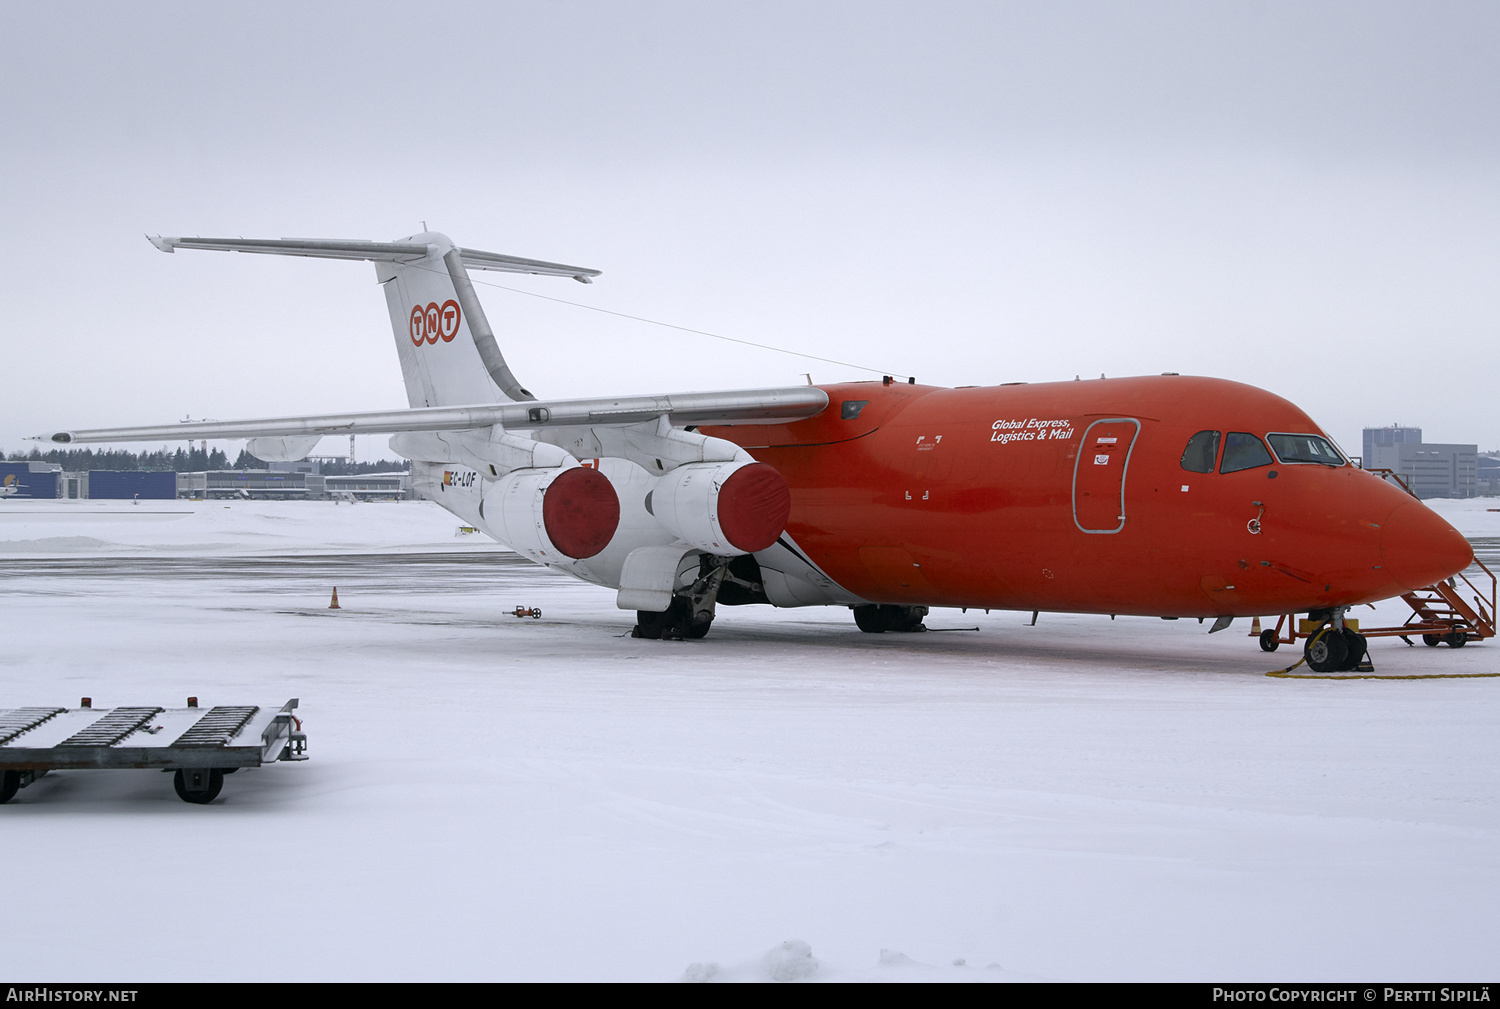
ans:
(1432, 640)
(1457, 639)
(198, 784)
(10, 782)
(1268, 641)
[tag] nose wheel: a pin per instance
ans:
(1335, 650)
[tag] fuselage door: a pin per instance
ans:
(1099, 474)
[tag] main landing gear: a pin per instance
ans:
(902, 619)
(691, 612)
(677, 622)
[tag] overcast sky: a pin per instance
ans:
(1302, 196)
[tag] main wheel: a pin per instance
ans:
(649, 624)
(210, 781)
(1357, 646)
(1457, 639)
(906, 619)
(901, 619)
(10, 783)
(666, 624)
(1432, 640)
(674, 623)
(1269, 642)
(1326, 651)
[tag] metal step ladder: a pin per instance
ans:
(1441, 613)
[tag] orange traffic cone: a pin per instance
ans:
(1255, 627)
(334, 605)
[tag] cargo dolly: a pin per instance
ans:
(200, 745)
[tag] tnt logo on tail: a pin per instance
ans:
(434, 321)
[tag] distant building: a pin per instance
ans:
(1487, 475)
(1431, 470)
(313, 466)
(242, 483)
(126, 485)
(284, 485)
(370, 486)
(1384, 437)
(31, 479)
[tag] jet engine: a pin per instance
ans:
(722, 508)
(552, 514)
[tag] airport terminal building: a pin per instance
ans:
(1430, 470)
(46, 480)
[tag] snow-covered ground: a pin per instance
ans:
(501, 798)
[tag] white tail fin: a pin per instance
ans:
(448, 353)
(435, 330)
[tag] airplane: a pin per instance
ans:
(1168, 495)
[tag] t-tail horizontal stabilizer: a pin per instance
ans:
(359, 248)
(449, 355)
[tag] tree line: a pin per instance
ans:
(183, 461)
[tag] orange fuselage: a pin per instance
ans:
(1073, 496)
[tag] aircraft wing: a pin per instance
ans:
(750, 406)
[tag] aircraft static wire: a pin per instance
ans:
(696, 332)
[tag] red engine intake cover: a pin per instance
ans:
(581, 512)
(754, 504)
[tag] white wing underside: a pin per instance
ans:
(750, 406)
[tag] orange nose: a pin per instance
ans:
(1419, 548)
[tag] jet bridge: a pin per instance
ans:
(200, 745)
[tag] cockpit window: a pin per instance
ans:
(851, 408)
(1201, 453)
(1243, 451)
(1291, 448)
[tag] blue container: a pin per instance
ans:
(27, 483)
(127, 485)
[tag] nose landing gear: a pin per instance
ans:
(1335, 650)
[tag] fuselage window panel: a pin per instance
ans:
(851, 408)
(1201, 453)
(1299, 448)
(1243, 451)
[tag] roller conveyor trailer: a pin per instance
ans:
(200, 744)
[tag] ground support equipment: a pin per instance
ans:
(200, 745)
(1452, 612)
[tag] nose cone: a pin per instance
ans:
(1419, 548)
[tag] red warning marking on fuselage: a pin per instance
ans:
(434, 322)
